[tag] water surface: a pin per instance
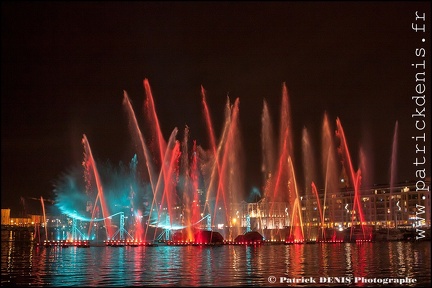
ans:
(24, 264)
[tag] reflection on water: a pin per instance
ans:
(24, 264)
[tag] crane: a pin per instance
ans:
(39, 199)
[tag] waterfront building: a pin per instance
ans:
(401, 206)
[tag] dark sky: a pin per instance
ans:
(64, 66)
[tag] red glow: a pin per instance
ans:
(89, 162)
(355, 177)
(315, 191)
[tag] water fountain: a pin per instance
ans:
(177, 189)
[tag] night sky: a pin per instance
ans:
(64, 66)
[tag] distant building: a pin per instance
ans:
(28, 221)
(5, 217)
(379, 206)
